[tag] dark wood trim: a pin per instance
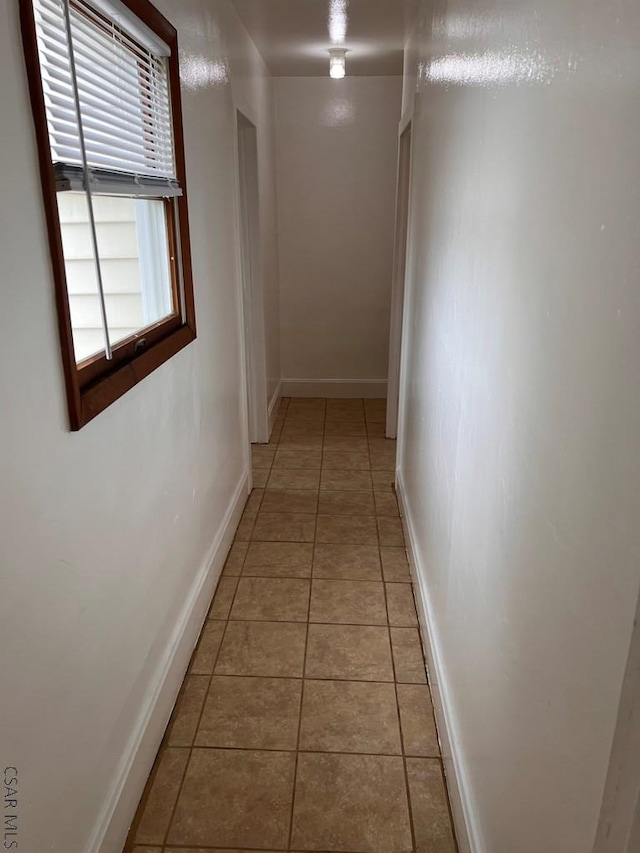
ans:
(155, 20)
(110, 388)
(126, 350)
(97, 383)
(47, 178)
(172, 242)
(181, 168)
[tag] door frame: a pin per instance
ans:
(619, 824)
(251, 278)
(403, 202)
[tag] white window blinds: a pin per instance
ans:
(123, 94)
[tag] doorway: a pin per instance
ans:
(252, 297)
(398, 285)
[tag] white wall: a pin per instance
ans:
(520, 455)
(107, 534)
(253, 94)
(337, 147)
(269, 237)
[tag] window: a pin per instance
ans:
(105, 95)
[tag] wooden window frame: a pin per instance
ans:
(96, 383)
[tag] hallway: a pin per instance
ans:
(225, 215)
(305, 721)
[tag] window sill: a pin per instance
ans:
(87, 402)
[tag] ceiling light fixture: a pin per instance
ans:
(337, 63)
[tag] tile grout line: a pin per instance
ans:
(447, 798)
(164, 744)
(130, 843)
(404, 755)
(196, 848)
(311, 677)
(399, 717)
(304, 660)
(200, 715)
(318, 578)
(309, 541)
(314, 621)
(293, 750)
(280, 428)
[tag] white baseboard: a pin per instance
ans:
(468, 836)
(273, 406)
(113, 824)
(371, 389)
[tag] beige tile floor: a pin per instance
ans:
(305, 720)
